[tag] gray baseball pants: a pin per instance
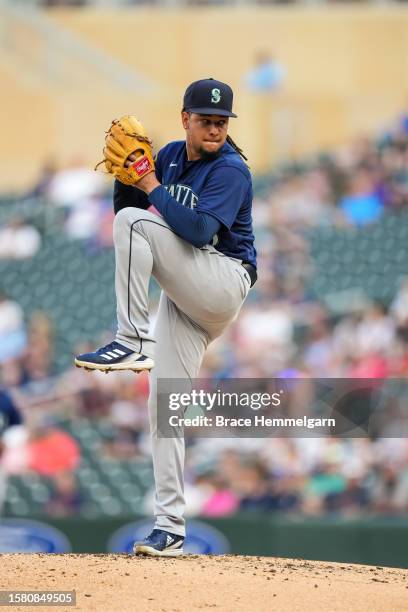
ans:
(202, 292)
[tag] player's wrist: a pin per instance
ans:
(148, 183)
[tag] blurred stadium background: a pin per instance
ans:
(321, 92)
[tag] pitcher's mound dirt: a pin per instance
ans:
(196, 582)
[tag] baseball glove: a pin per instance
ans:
(125, 137)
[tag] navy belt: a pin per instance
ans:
(252, 272)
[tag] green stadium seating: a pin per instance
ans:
(107, 486)
(371, 260)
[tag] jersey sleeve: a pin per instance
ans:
(195, 227)
(223, 194)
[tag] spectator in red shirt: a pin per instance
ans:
(51, 450)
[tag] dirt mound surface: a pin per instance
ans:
(196, 582)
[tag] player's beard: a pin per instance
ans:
(209, 155)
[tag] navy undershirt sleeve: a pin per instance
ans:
(197, 228)
(126, 195)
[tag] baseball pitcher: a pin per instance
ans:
(200, 251)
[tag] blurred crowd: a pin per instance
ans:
(308, 476)
(353, 187)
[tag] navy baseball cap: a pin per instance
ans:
(209, 97)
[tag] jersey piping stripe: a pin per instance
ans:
(130, 262)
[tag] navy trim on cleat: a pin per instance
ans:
(160, 544)
(114, 356)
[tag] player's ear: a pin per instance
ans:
(185, 119)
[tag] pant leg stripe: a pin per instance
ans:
(130, 262)
(129, 276)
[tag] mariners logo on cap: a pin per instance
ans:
(215, 95)
(209, 97)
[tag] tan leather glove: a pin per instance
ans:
(125, 137)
